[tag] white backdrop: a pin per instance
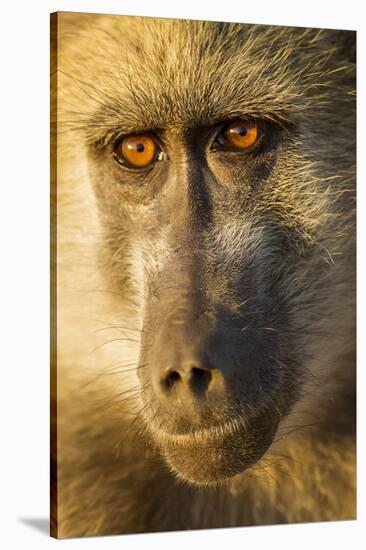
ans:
(24, 270)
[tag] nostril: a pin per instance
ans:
(197, 379)
(172, 378)
(200, 379)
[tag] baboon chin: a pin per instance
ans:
(205, 262)
(212, 456)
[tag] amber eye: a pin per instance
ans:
(136, 151)
(240, 134)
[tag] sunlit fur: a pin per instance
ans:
(111, 477)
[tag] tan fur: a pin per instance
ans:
(110, 478)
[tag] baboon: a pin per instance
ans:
(203, 276)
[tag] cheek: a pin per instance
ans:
(148, 252)
(137, 269)
(115, 186)
(229, 172)
(235, 242)
(245, 176)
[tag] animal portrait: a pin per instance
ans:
(203, 358)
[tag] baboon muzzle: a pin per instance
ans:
(200, 376)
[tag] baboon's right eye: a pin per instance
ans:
(137, 151)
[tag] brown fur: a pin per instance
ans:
(110, 70)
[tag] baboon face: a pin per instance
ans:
(216, 153)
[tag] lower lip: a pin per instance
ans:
(209, 458)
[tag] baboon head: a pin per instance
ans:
(221, 160)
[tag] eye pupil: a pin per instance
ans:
(140, 147)
(243, 132)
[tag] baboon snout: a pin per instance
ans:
(209, 389)
(186, 377)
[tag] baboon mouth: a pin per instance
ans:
(213, 434)
(213, 455)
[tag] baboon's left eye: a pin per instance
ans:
(239, 134)
(136, 151)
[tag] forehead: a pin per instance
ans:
(138, 73)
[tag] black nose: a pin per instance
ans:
(184, 369)
(187, 376)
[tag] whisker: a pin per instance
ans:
(114, 340)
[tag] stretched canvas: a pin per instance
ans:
(203, 274)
